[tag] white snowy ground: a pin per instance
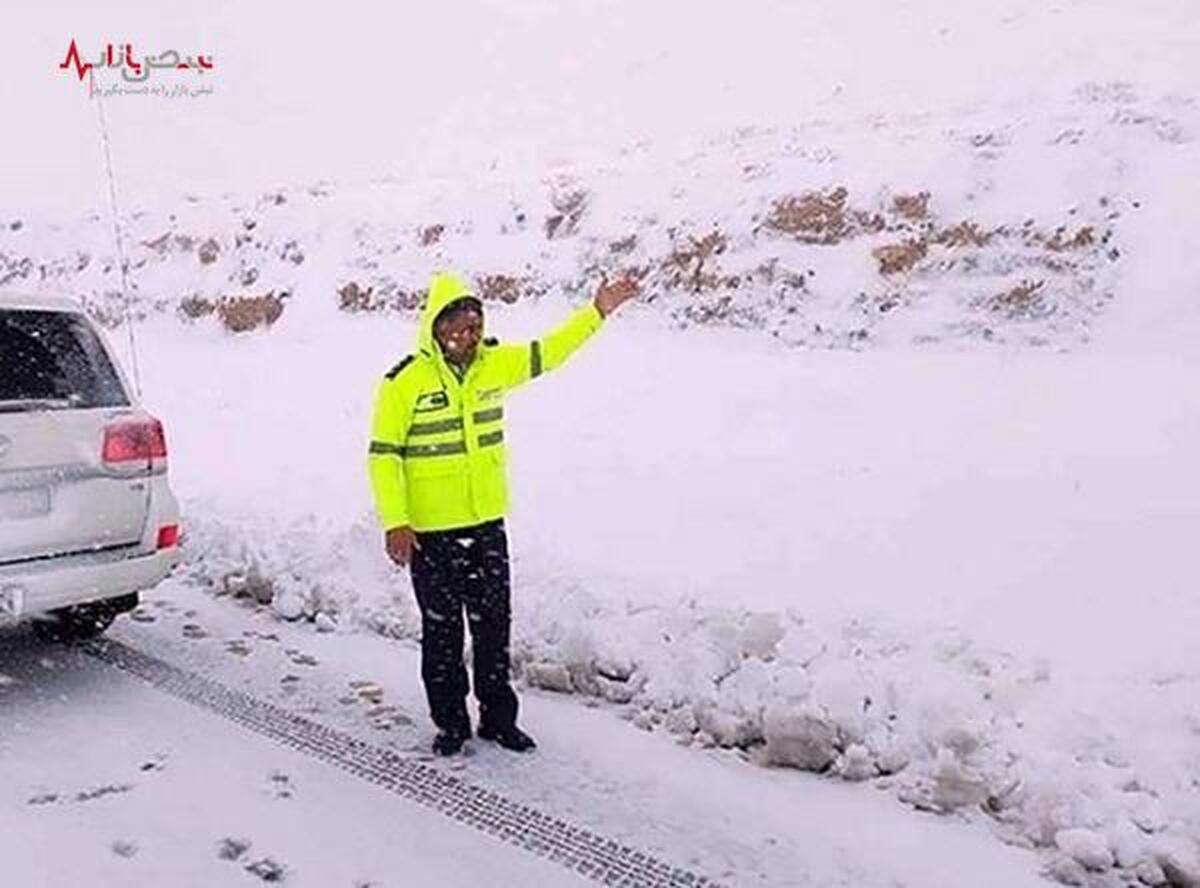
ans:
(107, 782)
(181, 780)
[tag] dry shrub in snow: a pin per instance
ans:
(684, 267)
(1060, 242)
(12, 268)
(240, 314)
(106, 310)
(821, 218)
(913, 207)
(208, 252)
(158, 245)
(1025, 300)
(430, 235)
(354, 298)
(383, 295)
(623, 245)
(965, 234)
(503, 287)
(816, 217)
(569, 204)
(196, 306)
(895, 258)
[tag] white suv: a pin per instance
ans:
(86, 516)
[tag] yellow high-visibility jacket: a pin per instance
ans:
(437, 457)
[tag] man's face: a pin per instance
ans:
(458, 334)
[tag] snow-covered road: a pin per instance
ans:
(145, 789)
(108, 782)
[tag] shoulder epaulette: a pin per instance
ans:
(491, 340)
(395, 371)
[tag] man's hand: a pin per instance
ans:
(400, 543)
(613, 294)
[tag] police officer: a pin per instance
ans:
(437, 468)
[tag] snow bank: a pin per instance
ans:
(949, 725)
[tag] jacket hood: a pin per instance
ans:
(444, 288)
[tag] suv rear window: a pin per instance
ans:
(54, 358)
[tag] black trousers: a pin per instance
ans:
(459, 570)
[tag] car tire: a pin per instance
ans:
(83, 621)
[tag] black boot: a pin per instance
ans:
(512, 737)
(449, 743)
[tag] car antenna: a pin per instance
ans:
(112, 201)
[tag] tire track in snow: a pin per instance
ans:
(581, 850)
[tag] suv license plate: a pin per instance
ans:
(18, 504)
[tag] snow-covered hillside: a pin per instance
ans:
(891, 474)
(985, 227)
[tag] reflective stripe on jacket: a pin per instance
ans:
(437, 456)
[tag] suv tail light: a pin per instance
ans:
(168, 536)
(136, 445)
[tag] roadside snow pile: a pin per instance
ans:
(974, 228)
(945, 724)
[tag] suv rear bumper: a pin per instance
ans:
(27, 589)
